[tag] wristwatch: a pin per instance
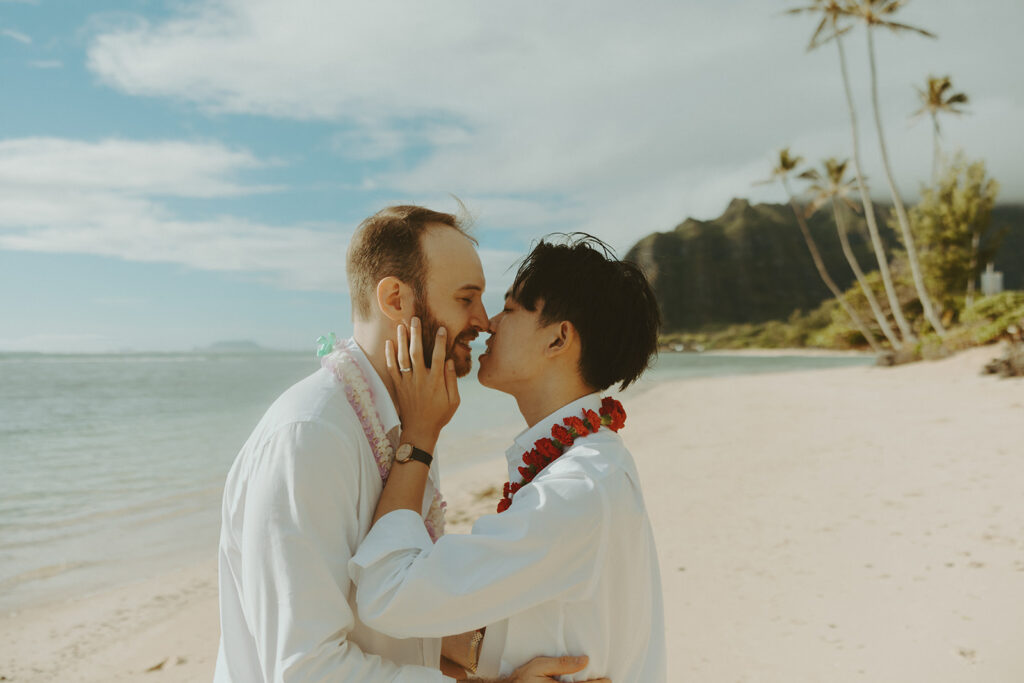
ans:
(407, 452)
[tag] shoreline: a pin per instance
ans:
(846, 524)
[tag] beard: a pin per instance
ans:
(429, 325)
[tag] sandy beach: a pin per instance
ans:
(855, 524)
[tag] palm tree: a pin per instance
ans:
(787, 164)
(832, 12)
(933, 102)
(876, 13)
(832, 187)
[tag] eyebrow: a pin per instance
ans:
(476, 288)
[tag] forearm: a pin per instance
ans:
(407, 481)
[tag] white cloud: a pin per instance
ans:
(16, 35)
(67, 196)
(171, 168)
(618, 117)
(46, 64)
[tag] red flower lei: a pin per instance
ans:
(547, 450)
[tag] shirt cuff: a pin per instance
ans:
(397, 531)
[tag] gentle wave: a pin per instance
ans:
(40, 573)
(142, 510)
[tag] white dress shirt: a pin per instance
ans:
(298, 500)
(570, 568)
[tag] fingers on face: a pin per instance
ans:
(451, 383)
(415, 344)
(440, 349)
(403, 347)
(391, 360)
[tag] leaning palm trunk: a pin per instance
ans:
(901, 212)
(869, 209)
(819, 263)
(880, 317)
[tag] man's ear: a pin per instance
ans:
(564, 338)
(394, 299)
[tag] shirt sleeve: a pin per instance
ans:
(299, 532)
(545, 546)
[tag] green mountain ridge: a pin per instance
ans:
(751, 264)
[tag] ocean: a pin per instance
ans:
(111, 466)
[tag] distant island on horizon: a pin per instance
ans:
(234, 345)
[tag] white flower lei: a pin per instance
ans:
(344, 367)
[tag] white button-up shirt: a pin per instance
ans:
(298, 500)
(570, 568)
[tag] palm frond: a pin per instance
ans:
(832, 36)
(896, 27)
(817, 32)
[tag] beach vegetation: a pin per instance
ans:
(953, 225)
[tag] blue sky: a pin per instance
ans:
(173, 174)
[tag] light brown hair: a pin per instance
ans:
(389, 243)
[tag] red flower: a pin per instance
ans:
(532, 458)
(504, 504)
(548, 449)
(515, 487)
(615, 412)
(526, 474)
(576, 424)
(562, 434)
(505, 490)
(593, 419)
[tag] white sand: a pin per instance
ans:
(860, 524)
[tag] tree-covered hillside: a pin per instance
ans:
(751, 264)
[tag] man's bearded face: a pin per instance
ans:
(457, 344)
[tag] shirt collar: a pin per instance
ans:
(381, 398)
(526, 439)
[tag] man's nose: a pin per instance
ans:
(478, 318)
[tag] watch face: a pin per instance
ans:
(403, 452)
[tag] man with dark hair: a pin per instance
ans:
(570, 556)
(301, 493)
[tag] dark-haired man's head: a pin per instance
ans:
(409, 260)
(573, 305)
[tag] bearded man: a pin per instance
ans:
(301, 494)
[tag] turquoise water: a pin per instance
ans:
(111, 466)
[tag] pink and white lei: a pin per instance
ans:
(345, 368)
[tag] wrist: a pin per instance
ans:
(420, 438)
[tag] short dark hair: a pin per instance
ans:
(608, 301)
(389, 243)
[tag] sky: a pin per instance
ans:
(174, 174)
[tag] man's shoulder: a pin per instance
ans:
(316, 402)
(319, 397)
(600, 454)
